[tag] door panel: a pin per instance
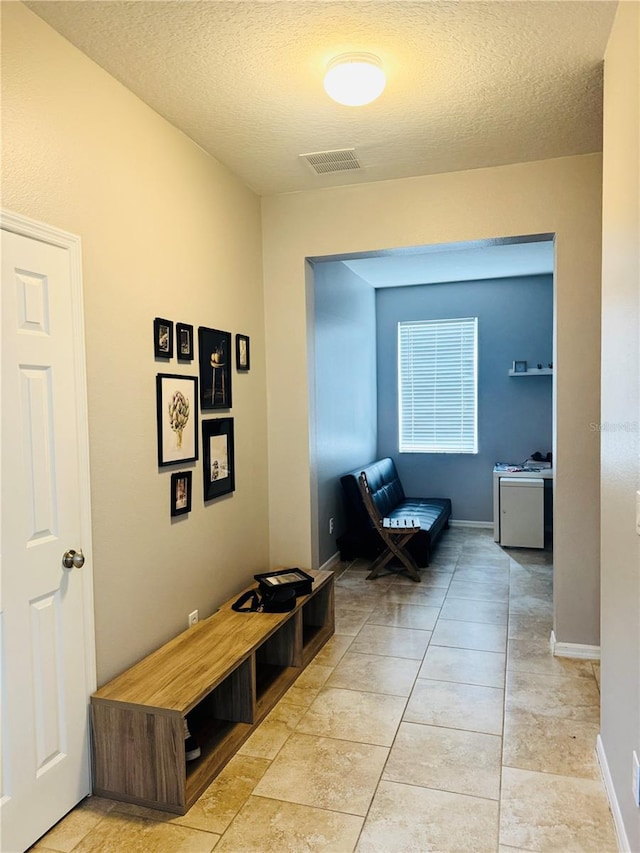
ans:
(37, 406)
(45, 678)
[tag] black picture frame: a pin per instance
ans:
(243, 354)
(184, 342)
(519, 366)
(218, 470)
(214, 348)
(181, 483)
(162, 338)
(177, 418)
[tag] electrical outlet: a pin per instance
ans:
(330, 525)
(193, 618)
(636, 779)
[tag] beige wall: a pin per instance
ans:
(561, 196)
(620, 726)
(166, 231)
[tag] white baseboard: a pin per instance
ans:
(573, 650)
(461, 523)
(333, 559)
(621, 833)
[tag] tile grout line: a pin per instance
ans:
(504, 708)
(421, 660)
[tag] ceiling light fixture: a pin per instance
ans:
(354, 79)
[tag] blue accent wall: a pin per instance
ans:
(515, 321)
(345, 389)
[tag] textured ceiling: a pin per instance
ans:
(470, 84)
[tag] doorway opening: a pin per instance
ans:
(355, 305)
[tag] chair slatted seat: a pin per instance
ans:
(394, 532)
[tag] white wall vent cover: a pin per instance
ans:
(323, 162)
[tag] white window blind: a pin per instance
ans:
(437, 386)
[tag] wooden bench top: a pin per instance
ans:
(179, 674)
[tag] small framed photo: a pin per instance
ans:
(162, 338)
(218, 462)
(519, 366)
(180, 493)
(184, 342)
(177, 411)
(242, 353)
(215, 368)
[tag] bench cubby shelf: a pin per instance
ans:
(226, 673)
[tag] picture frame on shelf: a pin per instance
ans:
(184, 342)
(214, 349)
(218, 458)
(243, 354)
(162, 338)
(181, 483)
(519, 366)
(177, 417)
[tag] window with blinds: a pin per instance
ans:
(438, 386)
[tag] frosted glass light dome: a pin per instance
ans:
(354, 79)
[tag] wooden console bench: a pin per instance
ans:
(226, 673)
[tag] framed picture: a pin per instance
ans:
(184, 342)
(242, 352)
(163, 338)
(177, 404)
(215, 369)
(519, 366)
(218, 462)
(180, 493)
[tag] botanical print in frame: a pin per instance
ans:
(218, 457)
(215, 368)
(177, 413)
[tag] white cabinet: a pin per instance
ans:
(522, 512)
(502, 470)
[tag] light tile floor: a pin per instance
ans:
(435, 719)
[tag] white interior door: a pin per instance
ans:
(46, 629)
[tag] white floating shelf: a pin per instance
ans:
(543, 371)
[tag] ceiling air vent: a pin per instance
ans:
(324, 162)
